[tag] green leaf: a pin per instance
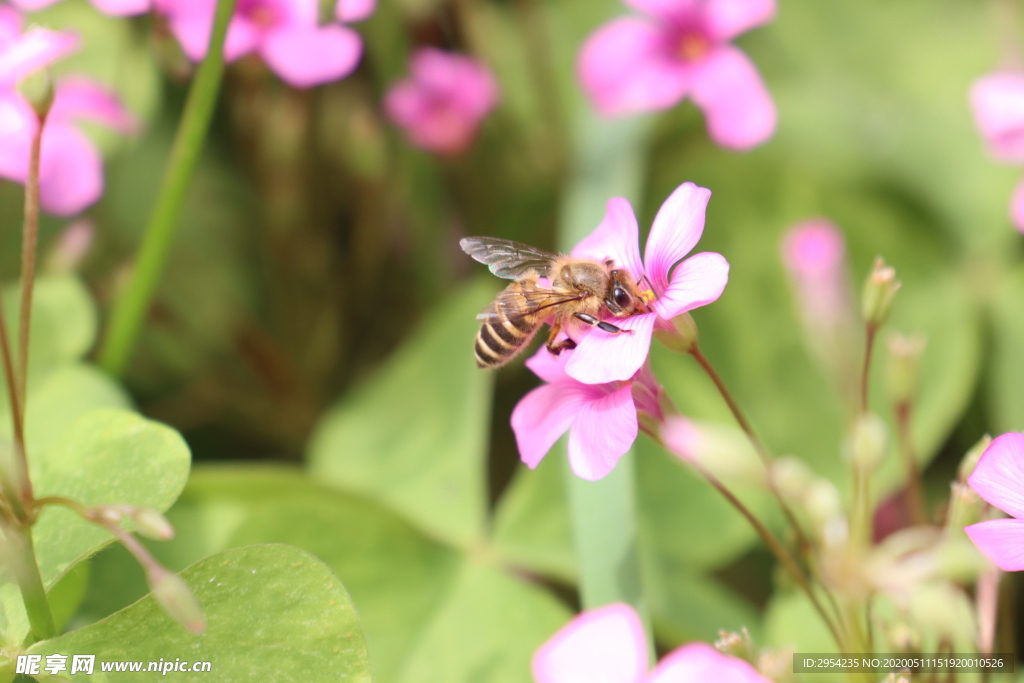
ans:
(414, 437)
(271, 611)
(1006, 391)
(106, 456)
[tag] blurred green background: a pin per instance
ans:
(311, 337)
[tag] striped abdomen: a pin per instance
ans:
(497, 343)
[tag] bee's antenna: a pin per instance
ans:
(646, 295)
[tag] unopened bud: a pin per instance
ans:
(71, 247)
(151, 524)
(175, 597)
(970, 460)
(721, 449)
(879, 292)
(904, 638)
(904, 364)
(38, 90)
(964, 506)
(683, 337)
(792, 477)
(737, 644)
(868, 442)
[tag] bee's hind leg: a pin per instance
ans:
(600, 324)
(556, 347)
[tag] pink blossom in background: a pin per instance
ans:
(25, 52)
(697, 281)
(285, 33)
(351, 11)
(999, 480)
(997, 101)
(681, 48)
(71, 168)
(608, 645)
(441, 104)
(116, 8)
(601, 418)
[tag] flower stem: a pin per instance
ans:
(29, 247)
(871, 332)
(40, 618)
(131, 305)
(915, 495)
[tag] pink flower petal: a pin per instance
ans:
(244, 37)
(646, 391)
(191, 22)
(1017, 207)
(32, 5)
(350, 11)
(814, 249)
(122, 8)
(548, 366)
(625, 68)
(601, 357)
(701, 663)
(304, 57)
(1001, 541)
(70, 171)
(33, 50)
(696, 282)
(738, 108)
(998, 104)
(726, 19)
(677, 228)
(999, 476)
(544, 414)
(602, 433)
(616, 238)
(468, 87)
(17, 126)
(665, 9)
(78, 97)
(605, 645)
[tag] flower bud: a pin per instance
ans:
(964, 506)
(792, 477)
(904, 364)
(175, 597)
(868, 442)
(151, 524)
(879, 292)
(721, 449)
(737, 644)
(903, 637)
(970, 460)
(38, 90)
(681, 339)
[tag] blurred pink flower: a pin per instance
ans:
(285, 33)
(601, 418)
(22, 53)
(998, 104)
(999, 479)
(351, 11)
(116, 8)
(680, 48)
(442, 103)
(607, 645)
(699, 280)
(71, 168)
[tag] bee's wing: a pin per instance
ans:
(508, 259)
(522, 300)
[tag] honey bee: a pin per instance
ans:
(581, 290)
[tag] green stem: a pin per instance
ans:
(915, 490)
(40, 618)
(131, 305)
(871, 332)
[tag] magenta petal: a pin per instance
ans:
(605, 645)
(999, 476)
(665, 9)
(738, 108)
(17, 126)
(997, 101)
(602, 433)
(354, 10)
(601, 357)
(11, 21)
(32, 5)
(616, 238)
(191, 23)
(544, 414)
(548, 366)
(122, 8)
(244, 37)
(1001, 541)
(700, 663)
(304, 57)
(624, 68)
(70, 171)
(695, 282)
(35, 49)
(1017, 207)
(726, 19)
(78, 97)
(677, 228)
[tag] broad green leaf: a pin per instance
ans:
(106, 456)
(790, 622)
(66, 595)
(414, 436)
(271, 611)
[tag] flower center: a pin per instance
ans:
(692, 45)
(261, 13)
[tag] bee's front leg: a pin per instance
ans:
(600, 324)
(556, 347)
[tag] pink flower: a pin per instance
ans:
(443, 102)
(23, 53)
(285, 33)
(998, 104)
(116, 8)
(999, 479)
(680, 48)
(699, 280)
(607, 645)
(601, 418)
(351, 11)
(71, 168)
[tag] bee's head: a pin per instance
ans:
(620, 300)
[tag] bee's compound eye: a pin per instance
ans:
(621, 297)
